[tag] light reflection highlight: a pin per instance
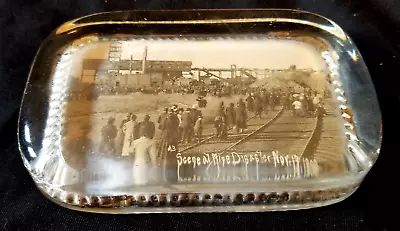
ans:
(32, 152)
(27, 134)
(353, 55)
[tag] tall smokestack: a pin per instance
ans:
(144, 60)
(130, 65)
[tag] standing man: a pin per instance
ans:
(169, 140)
(161, 118)
(121, 136)
(297, 108)
(148, 127)
(198, 129)
(108, 134)
(258, 105)
(230, 116)
(144, 154)
(194, 113)
(129, 129)
(250, 102)
(187, 125)
(241, 117)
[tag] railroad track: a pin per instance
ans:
(312, 138)
(316, 138)
(263, 134)
(248, 136)
(329, 144)
(298, 136)
(286, 133)
(232, 138)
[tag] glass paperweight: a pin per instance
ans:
(199, 111)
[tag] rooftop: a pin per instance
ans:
(136, 65)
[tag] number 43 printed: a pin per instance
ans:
(171, 148)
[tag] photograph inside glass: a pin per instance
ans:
(229, 119)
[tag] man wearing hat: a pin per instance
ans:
(174, 108)
(170, 138)
(161, 118)
(121, 135)
(108, 134)
(129, 129)
(147, 126)
(240, 116)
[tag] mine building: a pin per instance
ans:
(131, 73)
(144, 73)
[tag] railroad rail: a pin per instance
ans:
(267, 133)
(327, 146)
(314, 137)
(265, 140)
(242, 137)
(253, 132)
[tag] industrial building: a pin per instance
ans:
(116, 72)
(131, 73)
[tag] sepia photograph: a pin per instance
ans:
(189, 113)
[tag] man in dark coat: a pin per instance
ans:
(241, 117)
(258, 105)
(169, 140)
(108, 134)
(265, 101)
(170, 135)
(161, 118)
(250, 102)
(272, 100)
(230, 115)
(147, 127)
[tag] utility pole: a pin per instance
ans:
(144, 60)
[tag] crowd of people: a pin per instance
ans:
(197, 87)
(185, 125)
(150, 140)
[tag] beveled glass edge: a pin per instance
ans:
(204, 16)
(333, 75)
(192, 202)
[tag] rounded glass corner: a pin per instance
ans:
(199, 111)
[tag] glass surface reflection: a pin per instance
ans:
(271, 117)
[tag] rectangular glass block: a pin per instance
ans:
(199, 111)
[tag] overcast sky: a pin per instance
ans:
(262, 53)
(265, 53)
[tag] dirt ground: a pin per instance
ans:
(96, 113)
